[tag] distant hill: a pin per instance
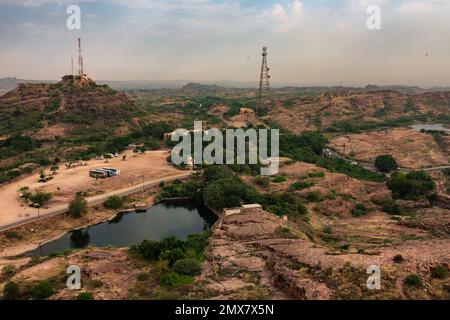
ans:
(201, 88)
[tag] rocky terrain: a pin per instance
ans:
(327, 110)
(410, 149)
(254, 255)
(72, 101)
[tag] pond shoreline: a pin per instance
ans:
(166, 218)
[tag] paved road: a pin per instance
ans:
(92, 201)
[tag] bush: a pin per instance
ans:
(11, 291)
(300, 185)
(314, 196)
(279, 179)
(188, 267)
(171, 256)
(413, 280)
(78, 207)
(9, 270)
(359, 210)
(41, 198)
(148, 250)
(391, 207)
(114, 203)
(411, 186)
(42, 291)
(440, 272)
(160, 269)
(144, 276)
(175, 280)
(85, 296)
(398, 258)
(262, 181)
(386, 163)
(12, 235)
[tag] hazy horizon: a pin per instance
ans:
(310, 42)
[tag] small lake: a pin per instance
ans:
(178, 218)
(430, 127)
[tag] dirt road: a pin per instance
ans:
(137, 172)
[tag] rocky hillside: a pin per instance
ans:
(345, 111)
(73, 100)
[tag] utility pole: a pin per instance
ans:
(264, 80)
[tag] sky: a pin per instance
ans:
(310, 42)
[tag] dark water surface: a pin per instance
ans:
(173, 218)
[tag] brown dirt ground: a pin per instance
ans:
(411, 149)
(67, 182)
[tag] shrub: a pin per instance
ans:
(9, 270)
(279, 179)
(316, 175)
(398, 258)
(300, 185)
(314, 196)
(188, 267)
(114, 203)
(11, 291)
(160, 269)
(144, 276)
(391, 207)
(413, 280)
(327, 230)
(85, 296)
(411, 186)
(148, 250)
(386, 163)
(41, 198)
(175, 280)
(440, 272)
(78, 207)
(171, 256)
(42, 291)
(262, 181)
(12, 235)
(359, 210)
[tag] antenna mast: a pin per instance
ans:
(264, 83)
(80, 59)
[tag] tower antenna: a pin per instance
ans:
(80, 59)
(264, 80)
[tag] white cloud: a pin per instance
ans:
(290, 18)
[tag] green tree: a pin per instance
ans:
(188, 267)
(114, 203)
(41, 198)
(42, 291)
(78, 207)
(386, 163)
(411, 186)
(11, 291)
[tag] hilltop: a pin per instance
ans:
(72, 101)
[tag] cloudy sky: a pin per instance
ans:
(311, 42)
